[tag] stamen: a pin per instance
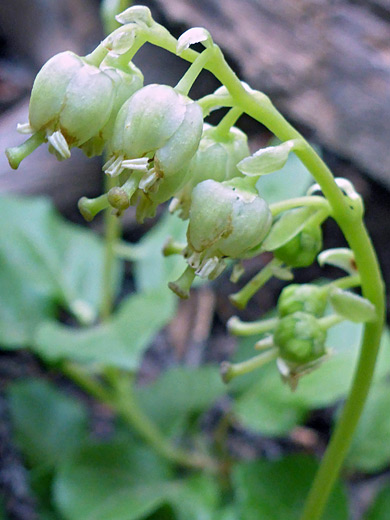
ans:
(24, 128)
(140, 164)
(58, 142)
(113, 166)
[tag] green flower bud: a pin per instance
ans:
(71, 101)
(307, 298)
(300, 338)
(216, 159)
(159, 125)
(301, 250)
(226, 220)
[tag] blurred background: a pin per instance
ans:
(324, 63)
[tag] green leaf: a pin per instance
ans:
(351, 306)
(266, 160)
(44, 262)
(151, 268)
(116, 481)
(195, 498)
(179, 393)
(269, 406)
(291, 181)
(287, 227)
(47, 424)
(277, 490)
(381, 506)
(119, 342)
(370, 449)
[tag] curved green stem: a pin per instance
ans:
(314, 201)
(111, 235)
(242, 328)
(372, 286)
(120, 397)
(346, 282)
(230, 119)
(229, 370)
(242, 297)
(189, 78)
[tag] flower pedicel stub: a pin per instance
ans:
(71, 103)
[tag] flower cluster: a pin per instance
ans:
(158, 148)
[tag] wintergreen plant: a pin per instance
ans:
(157, 148)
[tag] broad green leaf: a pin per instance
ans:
(151, 269)
(291, 181)
(351, 306)
(381, 506)
(370, 450)
(48, 425)
(277, 490)
(120, 342)
(266, 160)
(287, 227)
(269, 406)
(195, 498)
(44, 261)
(117, 481)
(179, 393)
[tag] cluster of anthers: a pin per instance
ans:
(158, 148)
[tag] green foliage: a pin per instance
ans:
(48, 425)
(179, 393)
(118, 480)
(151, 269)
(370, 449)
(276, 490)
(46, 263)
(119, 342)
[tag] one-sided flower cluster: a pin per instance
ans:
(158, 147)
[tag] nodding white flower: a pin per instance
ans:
(72, 101)
(157, 131)
(226, 220)
(216, 159)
